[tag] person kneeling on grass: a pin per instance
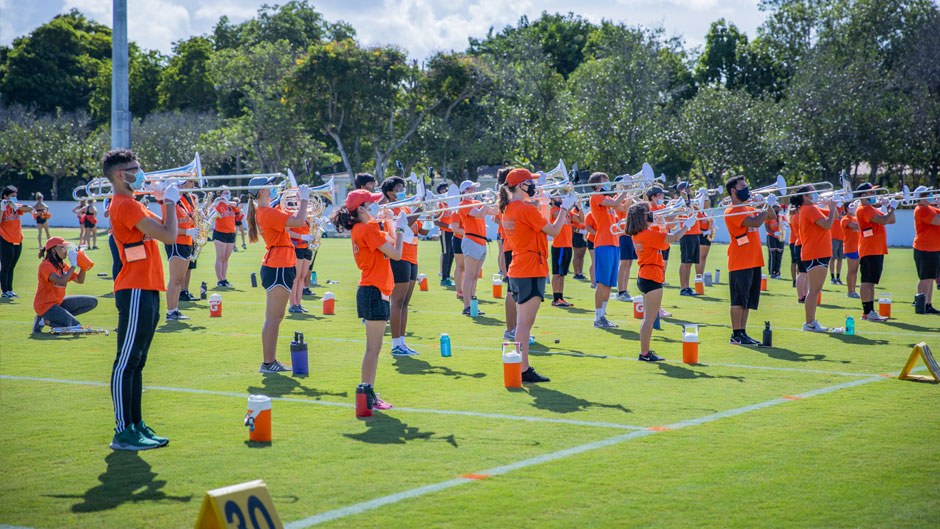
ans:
(52, 306)
(649, 242)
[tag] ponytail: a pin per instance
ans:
(505, 197)
(343, 219)
(252, 220)
(53, 258)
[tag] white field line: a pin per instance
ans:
(345, 404)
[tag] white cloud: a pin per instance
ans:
(152, 24)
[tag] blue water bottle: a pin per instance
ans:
(445, 344)
(313, 279)
(849, 325)
(474, 308)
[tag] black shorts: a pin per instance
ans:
(370, 305)
(665, 254)
(228, 238)
(774, 243)
(526, 288)
(578, 240)
(688, 245)
(89, 224)
(179, 251)
(745, 288)
(927, 263)
(627, 249)
(192, 265)
(273, 277)
(458, 245)
(404, 271)
(703, 240)
(303, 253)
(590, 245)
(795, 252)
(870, 268)
(561, 260)
(238, 223)
(647, 285)
(40, 222)
(813, 263)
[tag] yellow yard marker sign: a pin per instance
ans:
(243, 506)
(921, 351)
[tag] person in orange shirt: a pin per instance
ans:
(239, 221)
(705, 226)
(90, 222)
(473, 245)
(816, 236)
(11, 238)
(137, 290)
(223, 236)
(578, 242)
(372, 251)
(456, 225)
(562, 252)
(591, 228)
(505, 248)
(796, 250)
(447, 241)
(872, 246)
(838, 249)
(278, 266)
(178, 254)
(689, 247)
(300, 238)
(41, 215)
(526, 228)
(52, 306)
(649, 243)
(604, 208)
(850, 247)
(926, 246)
(745, 256)
(774, 244)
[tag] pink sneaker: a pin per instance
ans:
(381, 404)
(460, 295)
(664, 314)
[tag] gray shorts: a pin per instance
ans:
(837, 249)
(473, 249)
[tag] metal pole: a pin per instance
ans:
(120, 91)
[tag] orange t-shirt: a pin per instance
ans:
(184, 219)
(851, 236)
(302, 230)
(695, 229)
(225, 222)
(10, 228)
(474, 227)
(239, 216)
(507, 244)
(376, 270)
(48, 293)
(523, 224)
(590, 223)
(648, 243)
(272, 224)
(445, 220)
(926, 235)
(705, 223)
(874, 240)
(817, 241)
(575, 225)
(772, 226)
(795, 227)
(409, 251)
(604, 217)
(837, 233)
(744, 250)
(563, 239)
(145, 270)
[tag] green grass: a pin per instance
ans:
(862, 456)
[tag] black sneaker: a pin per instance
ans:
(529, 375)
(931, 310)
(802, 299)
(687, 292)
(735, 340)
(580, 277)
(650, 357)
(747, 340)
(466, 312)
(39, 324)
(307, 292)
(223, 283)
(186, 296)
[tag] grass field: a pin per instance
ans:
(805, 434)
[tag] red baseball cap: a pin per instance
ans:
(54, 241)
(359, 197)
(517, 176)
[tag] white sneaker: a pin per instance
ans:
(664, 314)
(624, 297)
(814, 327)
(509, 335)
(874, 316)
(604, 323)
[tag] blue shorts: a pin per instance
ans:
(627, 250)
(853, 255)
(606, 265)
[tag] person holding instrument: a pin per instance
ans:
(872, 246)
(850, 247)
(52, 306)
(606, 246)
(815, 233)
(926, 246)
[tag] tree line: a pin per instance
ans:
(824, 87)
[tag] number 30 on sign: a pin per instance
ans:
(243, 506)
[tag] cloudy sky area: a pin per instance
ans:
(419, 26)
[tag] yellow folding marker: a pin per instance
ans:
(922, 351)
(246, 505)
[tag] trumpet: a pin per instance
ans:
(675, 211)
(557, 175)
(100, 188)
(203, 217)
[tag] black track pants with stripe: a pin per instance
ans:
(138, 314)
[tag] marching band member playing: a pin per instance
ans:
(627, 256)
(816, 235)
(41, 215)
(505, 248)
(606, 247)
(456, 225)
(578, 242)
(278, 265)
(372, 251)
(926, 246)
(745, 256)
(447, 241)
(525, 226)
(223, 236)
(850, 248)
(872, 246)
(11, 238)
(562, 251)
(656, 197)
(689, 248)
(706, 228)
(649, 243)
(796, 250)
(838, 250)
(136, 291)
(300, 238)
(366, 181)
(178, 253)
(591, 228)
(473, 246)
(52, 306)
(774, 244)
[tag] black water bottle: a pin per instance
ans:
(254, 280)
(920, 304)
(203, 290)
(768, 335)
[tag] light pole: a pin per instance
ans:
(120, 90)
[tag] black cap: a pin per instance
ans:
(680, 186)
(655, 190)
(865, 186)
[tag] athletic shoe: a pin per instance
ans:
(399, 350)
(410, 350)
(295, 309)
(688, 292)
(664, 314)
(650, 357)
(459, 295)
(38, 324)
(131, 439)
(593, 285)
(874, 316)
(579, 277)
(223, 283)
(5, 295)
(802, 299)
(94, 247)
(624, 296)
(529, 375)
(931, 310)
(814, 327)
(466, 312)
(853, 295)
(839, 281)
(509, 335)
(11, 294)
(244, 247)
(273, 367)
(235, 248)
(833, 282)
(306, 292)
(186, 296)
(176, 315)
(561, 303)
(447, 282)
(747, 340)
(604, 323)
(775, 276)
(380, 404)
(148, 433)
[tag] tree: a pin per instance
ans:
(185, 83)
(145, 67)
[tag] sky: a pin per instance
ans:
(421, 27)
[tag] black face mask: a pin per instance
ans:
(530, 191)
(743, 194)
(649, 217)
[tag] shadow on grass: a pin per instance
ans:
(176, 325)
(128, 479)
(485, 320)
(383, 429)
(685, 373)
(855, 339)
(558, 402)
(576, 310)
(914, 328)
(258, 444)
(302, 316)
(624, 334)
(280, 385)
(49, 336)
(791, 356)
(409, 365)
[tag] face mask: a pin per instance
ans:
(531, 190)
(373, 208)
(814, 197)
(659, 202)
(649, 217)
(872, 200)
(743, 194)
(605, 186)
(138, 179)
(400, 195)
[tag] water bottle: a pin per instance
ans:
(445, 344)
(920, 304)
(313, 279)
(254, 280)
(203, 290)
(474, 308)
(849, 325)
(768, 335)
